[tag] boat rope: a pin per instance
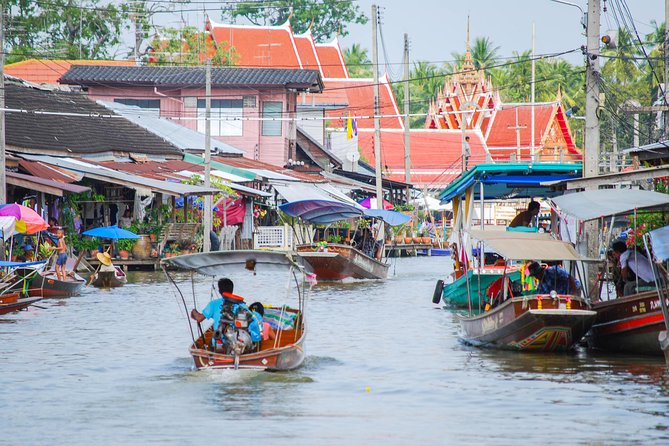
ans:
(199, 325)
(183, 299)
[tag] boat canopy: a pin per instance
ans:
(8, 264)
(514, 180)
(527, 246)
(226, 262)
(592, 204)
(321, 211)
(659, 239)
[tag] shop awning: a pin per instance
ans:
(50, 187)
(593, 204)
(298, 191)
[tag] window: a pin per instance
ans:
(221, 108)
(151, 105)
(271, 110)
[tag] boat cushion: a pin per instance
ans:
(279, 320)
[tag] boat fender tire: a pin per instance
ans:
(438, 290)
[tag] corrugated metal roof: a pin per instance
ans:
(37, 183)
(182, 137)
(306, 80)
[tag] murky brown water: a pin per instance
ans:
(384, 366)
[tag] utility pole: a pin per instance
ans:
(377, 112)
(532, 94)
(591, 155)
(208, 206)
(3, 184)
(666, 66)
(407, 134)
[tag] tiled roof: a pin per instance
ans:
(503, 130)
(74, 134)
(258, 46)
(41, 71)
(332, 60)
(191, 76)
(434, 153)
(307, 51)
(360, 93)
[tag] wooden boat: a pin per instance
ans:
(629, 324)
(528, 321)
(521, 324)
(35, 283)
(287, 350)
(337, 262)
(10, 302)
(110, 279)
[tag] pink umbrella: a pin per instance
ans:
(33, 222)
(370, 203)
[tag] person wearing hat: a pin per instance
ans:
(105, 262)
(553, 278)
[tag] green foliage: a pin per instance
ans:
(186, 46)
(63, 29)
(334, 238)
(357, 62)
(126, 244)
(325, 18)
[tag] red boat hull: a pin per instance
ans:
(12, 302)
(341, 262)
(628, 324)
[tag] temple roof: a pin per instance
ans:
(44, 71)
(332, 60)
(306, 48)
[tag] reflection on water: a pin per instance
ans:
(384, 366)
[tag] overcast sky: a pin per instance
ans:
(437, 28)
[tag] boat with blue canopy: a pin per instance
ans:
(484, 182)
(338, 261)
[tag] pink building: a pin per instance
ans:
(252, 109)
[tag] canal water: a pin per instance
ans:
(384, 366)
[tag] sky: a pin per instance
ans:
(437, 28)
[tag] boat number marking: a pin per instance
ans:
(655, 304)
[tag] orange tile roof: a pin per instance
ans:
(332, 60)
(502, 133)
(42, 71)
(435, 154)
(360, 93)
(259, 46)
(307, 51)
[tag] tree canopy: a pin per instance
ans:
(326, 18)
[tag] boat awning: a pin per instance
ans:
(227, 262)
(244, 173)
(592, 204)
(390, 217)
(50, 187)
(131, 181)
(321, 211)
(527, 246)
(516, 180)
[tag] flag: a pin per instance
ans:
(355, 127)
(349, 127)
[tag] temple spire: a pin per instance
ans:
(468, 45)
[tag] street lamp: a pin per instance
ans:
(584, 15)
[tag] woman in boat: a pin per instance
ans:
(553, 278)
(106, 264)
(258, 328)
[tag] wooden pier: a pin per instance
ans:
(407, 250)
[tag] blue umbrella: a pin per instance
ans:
(111, 232)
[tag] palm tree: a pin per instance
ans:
(357, 61)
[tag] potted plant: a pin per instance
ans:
(124, 248)
(17, 251)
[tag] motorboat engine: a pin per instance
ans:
(237, 334)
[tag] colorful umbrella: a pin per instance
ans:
(33, 222)
(370, 203)
(113, 232)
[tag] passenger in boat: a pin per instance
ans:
(222, 311)
(553, 278)
(258, 328)
(106, 264)
(61, 260)
(634, 268)
(525, 218)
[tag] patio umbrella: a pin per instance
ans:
(370, 203)
(113, 232)
(32, 220)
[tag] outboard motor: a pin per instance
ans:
(238, 339)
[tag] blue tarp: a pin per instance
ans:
(5, 264)
(391, 217)
(321, 211)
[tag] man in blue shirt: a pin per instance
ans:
(553, 278)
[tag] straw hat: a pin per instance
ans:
(104, 258)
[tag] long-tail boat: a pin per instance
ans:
(338, 261)
(110, 279)
(528, 321)
(10, 302)
(624, 324)
(251, 270)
